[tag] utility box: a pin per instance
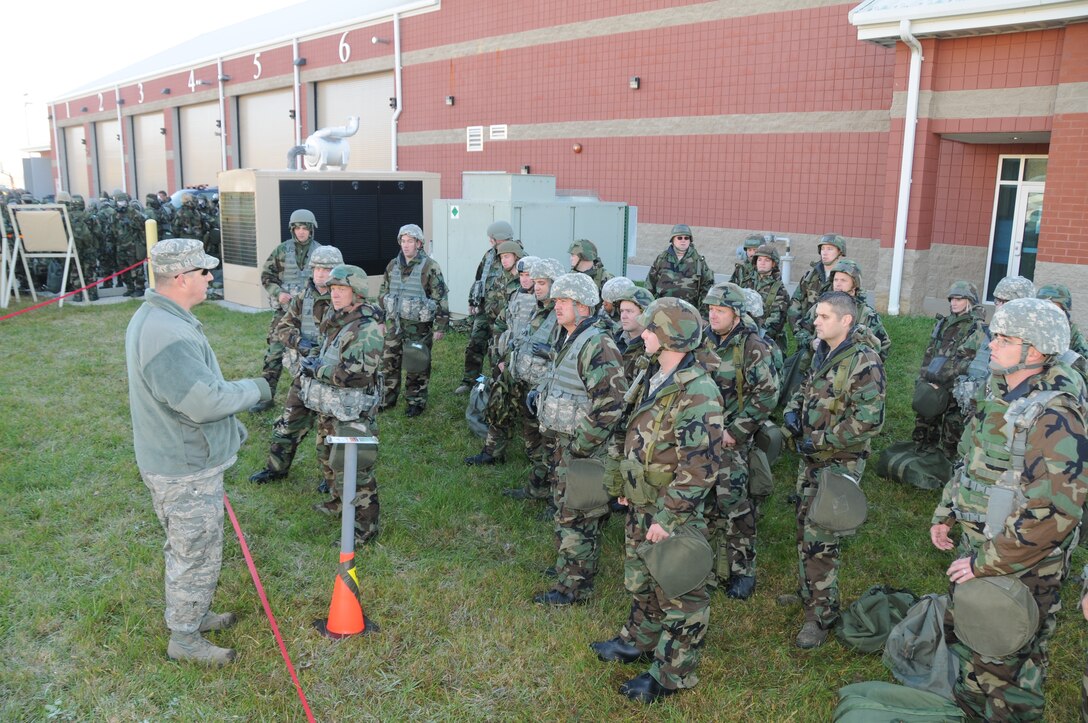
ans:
(545, 222)
(359, 212)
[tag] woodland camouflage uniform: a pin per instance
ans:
(815, 282)
(688, 277)
(776, 301)
(488, 271)
(745, 271)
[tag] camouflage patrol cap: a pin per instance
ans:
(584, 248)
(410, 229)
(674, 322)
(850, 268)
(500, 231)
(754, 241)
(510, 247)
(548, 269)
(302, 216)
(833, 239)
(769, 252)
(1014, 287)
(965, 289)
(578, 287)
(63, 197)
(326, 257)
(753, 303)
(173, 256)
(680, 229)
(347, 275)
(1058, 293)
(727, 294)
(1037, 321)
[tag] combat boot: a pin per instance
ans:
(741, 587)
(645, 689)
(266, 475)
(463, 389)
(811, 635)
(414, 410)
(216, 621)
(261, 407)
(194, 648)
(517, 493)
(556, 598)
(484, 457)
(618, 651)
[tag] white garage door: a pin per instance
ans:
(200, 149)
(150, 148)
(75, 150)
(109, 155)
(266, 131)
(365, 96)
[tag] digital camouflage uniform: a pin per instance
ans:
(1060, 295)
(732, 516)
(956, 338)
(351, 357)
(1038, 536)
(688, 277)
(593, 357)
(130, 243)
(815, 282)
(744, 272)
(673, 436)
(840, 406)
(416, 306)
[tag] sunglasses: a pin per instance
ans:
(683, 238)
(203, 272)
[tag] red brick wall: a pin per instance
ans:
(1012, 60)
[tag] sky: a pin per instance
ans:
(48, 54)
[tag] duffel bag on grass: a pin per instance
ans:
(924, 468)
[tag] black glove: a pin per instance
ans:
(806, 448)
(530, 402)
(309, 366)
(305, 346)
(542, 350)
(793, 424)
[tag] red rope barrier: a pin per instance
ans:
(55, 299)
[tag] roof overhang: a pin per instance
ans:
(878, 20)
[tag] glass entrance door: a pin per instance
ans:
(1018, 212)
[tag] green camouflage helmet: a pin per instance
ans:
(548, 269)
(1059, 294)
(326, 257)
(769, 252)
(303, 216)
(754, 241)
(680, 229)
(622, 288)
(965, 289)
(417, 357)
(578, 287)
(347, 275)
(584, 248)
(754, 303)
(850, 268)
(1014, 287)
(727, 294)
(500, 231)
(510, 247)
(410, 229)
(674, 322)
(832, 239)
(1037, 321)
(119, 196)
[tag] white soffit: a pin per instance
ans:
(878, 20)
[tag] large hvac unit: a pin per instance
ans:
(358, 212)
(545, 222)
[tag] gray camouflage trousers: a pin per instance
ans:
(190, 509)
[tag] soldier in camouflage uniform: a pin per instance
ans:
(585, 260)
(299, 333)
(832, 418)
(579, 403)
(1027, 438)
(131, 243)
(632, 301)
(768, 282)
(343, 384)
(1060, 295)
(212, 235)
(680, 271)
(153, 210)
(104, 226)
(488, 272)
(955, 340)
(846, 277)
(504, 286)
(745, 271)
(665, 465)
(187, 220)
(166, 215)
(85, 246)
(817, 280)
(417, 311)
(748, 382)
(285, 274)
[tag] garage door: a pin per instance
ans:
(266, 131)
(365, 96)
(150, 150)
(75, 149)
(200, 149)
(109, 155)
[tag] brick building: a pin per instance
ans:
(788, 116)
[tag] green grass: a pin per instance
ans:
(450, 581)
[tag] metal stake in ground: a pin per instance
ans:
(346, 610)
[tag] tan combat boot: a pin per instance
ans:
(216, 621)
(193, 647)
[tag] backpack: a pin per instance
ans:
(865, 625)
(916, 652)
(875, 701)
(905, 462)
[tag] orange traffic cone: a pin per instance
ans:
(345, 612)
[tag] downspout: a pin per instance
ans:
(910, 123)
(222, 117)
(58, 184)
(120, 137)
(298, 100)
(397, 91)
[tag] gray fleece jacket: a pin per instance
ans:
(182, 408)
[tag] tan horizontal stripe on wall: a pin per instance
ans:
(1071, 98)
(992, 103)
(869, 121)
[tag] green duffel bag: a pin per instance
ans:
(760, 478)
(905, 462)
(585, 484)
(867, 622)
(679, 563)
(876, 701)
(977, 603)
(839, 505)
(929, 401)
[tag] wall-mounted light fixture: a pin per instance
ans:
(300, 62)
(525, 170)
(291, 114)
(201, 82)
(375, 40)
(120, 101)
(393, 103)
(635, 82)
(223, 77)
(450, 100)
(165, 91)
(577, 148)
(83, 109)
(82, 141)
(162, 131)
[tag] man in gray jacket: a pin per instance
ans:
(185, 436)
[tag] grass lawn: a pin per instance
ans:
(450, 580)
